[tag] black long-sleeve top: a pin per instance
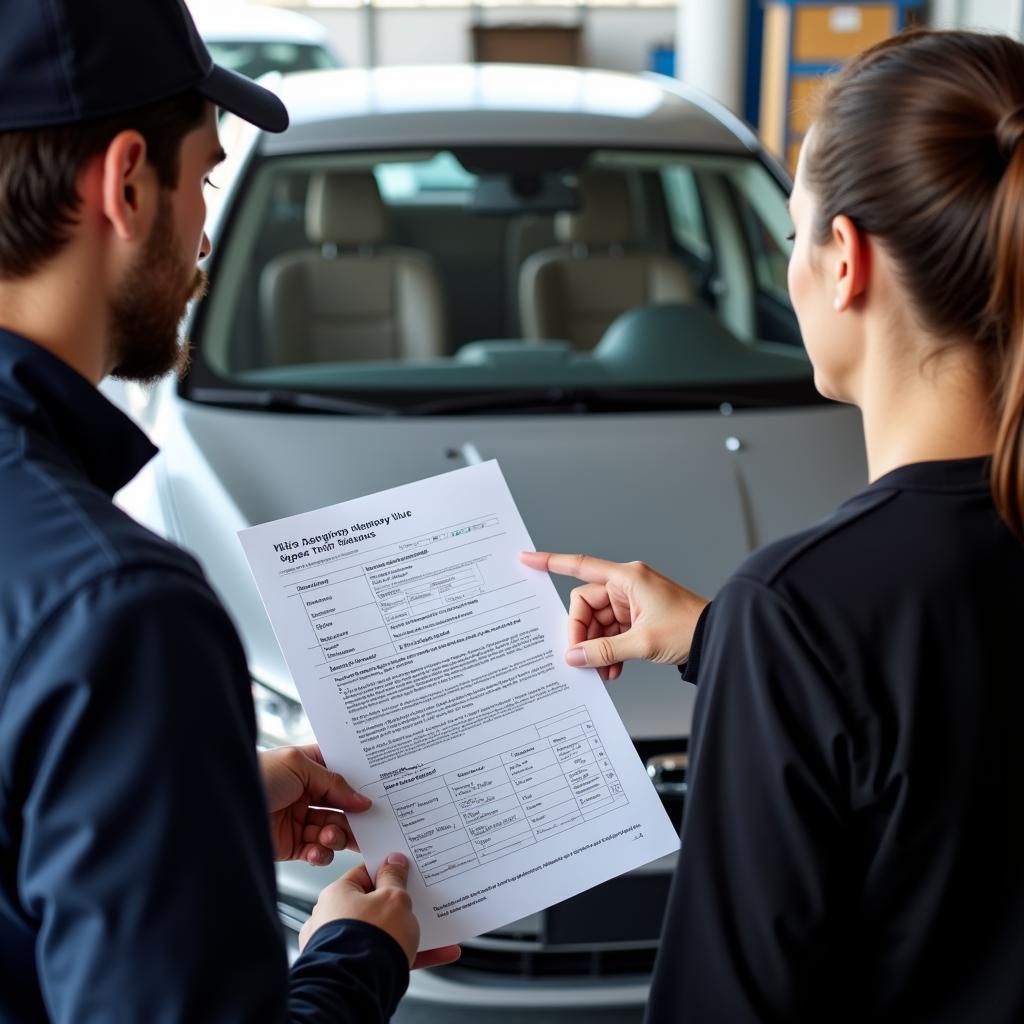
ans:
(136, 876)
(853, 847)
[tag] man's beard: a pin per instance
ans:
(149, 304)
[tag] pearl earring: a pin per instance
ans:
(837, 305)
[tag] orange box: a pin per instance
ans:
(802, 92)
(824, 35)
(793, 154)
(801, 40)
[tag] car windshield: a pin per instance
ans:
(254, 58)
(502, 277)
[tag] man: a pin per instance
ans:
(136, 878)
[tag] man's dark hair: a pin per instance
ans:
(39, 168)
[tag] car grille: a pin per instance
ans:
(547, 963)
(649, 748)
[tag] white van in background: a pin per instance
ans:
(253, 39)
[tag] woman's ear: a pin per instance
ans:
(852, 256)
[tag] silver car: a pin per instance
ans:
(579, 273)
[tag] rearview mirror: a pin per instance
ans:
(509, 194)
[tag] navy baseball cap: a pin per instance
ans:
(67, 61)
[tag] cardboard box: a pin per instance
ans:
(804, 41)
(528, 44)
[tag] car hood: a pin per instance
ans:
(690, 493)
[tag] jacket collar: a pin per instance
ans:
(44, 395)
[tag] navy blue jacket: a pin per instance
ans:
(853, 842)
(136, 875)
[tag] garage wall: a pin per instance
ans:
(991, 15)
(619, 38)
(346, 26)
(614, 37)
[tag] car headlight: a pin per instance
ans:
(280, 720)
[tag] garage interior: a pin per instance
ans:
(548, 234)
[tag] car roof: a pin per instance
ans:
(499, 104)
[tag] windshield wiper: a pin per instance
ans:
(301, 401)
(605, 399)
(762, 395)
(495, 401)
(311, 401)
(570, 401)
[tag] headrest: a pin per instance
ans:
(345, 209)
(606, 213)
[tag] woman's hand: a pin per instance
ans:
(307, 804)
(624, 611)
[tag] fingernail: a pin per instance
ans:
(577, 657)
(398, 859)
(313, 856)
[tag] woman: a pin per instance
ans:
(852, 846)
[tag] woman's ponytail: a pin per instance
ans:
(1006, 314)
(920, 141)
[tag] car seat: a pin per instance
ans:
(352, 297)
(575, 290)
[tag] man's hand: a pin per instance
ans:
(625, 611)
(307, 804)
(354, 897)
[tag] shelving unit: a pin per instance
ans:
(806, 40)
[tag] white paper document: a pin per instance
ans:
(430, 663)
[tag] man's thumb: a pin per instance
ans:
(333, 790)
(394, 872)
(607, 650)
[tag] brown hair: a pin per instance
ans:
(919, 142)
(39, 168)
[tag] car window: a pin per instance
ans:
(461, 270)
(771, 262)
(441, 177)
(254, 59)
(769, 244)
(686, 214)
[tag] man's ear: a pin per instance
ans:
(853, 256)
(127, 181)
